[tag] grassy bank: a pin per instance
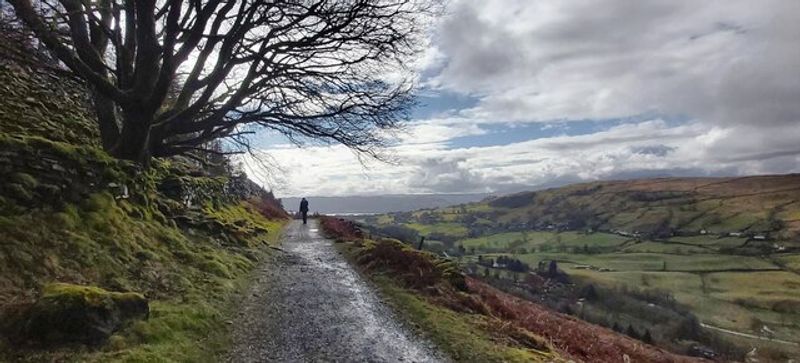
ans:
(191, 278)
(191, 273)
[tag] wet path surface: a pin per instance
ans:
(309, 305)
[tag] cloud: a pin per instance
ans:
(655, 150)
(728, 62)
(440, 175)
(618, 152)
(439, 130)
(674, 87)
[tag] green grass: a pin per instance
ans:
(687, 288)
(660, 247)
(478, 207)
(791, 261)
(450, 229)
(711, 241)
(192, 329)
(751, 287)
(732, 300)
(535, 239)
(385, 219)
(655, 261)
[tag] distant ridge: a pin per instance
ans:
(382, 203)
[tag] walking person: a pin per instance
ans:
(304, 210)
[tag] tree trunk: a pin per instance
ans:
(134, 143)
(107, 120)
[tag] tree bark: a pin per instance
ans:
(134, 142)
(106, 119)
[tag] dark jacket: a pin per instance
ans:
(304, 205)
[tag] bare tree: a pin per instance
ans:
(167, 76)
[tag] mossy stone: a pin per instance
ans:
(25, 179)
(19, 192)
(69, 313)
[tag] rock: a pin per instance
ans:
(58, 167)
(76, 314)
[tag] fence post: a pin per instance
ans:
(421, 240)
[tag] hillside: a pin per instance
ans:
(101, 259)
(475, 322)
(661, 207)
(724, 250)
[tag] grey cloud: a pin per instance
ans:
(643, 132)
(723, 62)
(440, 175)
(763, 156)
(493, 51)
(656, 150)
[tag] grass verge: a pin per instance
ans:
(463, 337)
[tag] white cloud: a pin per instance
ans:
(693, 149)
(720, 61)
(731, 67)
(439, 130)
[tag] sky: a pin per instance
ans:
(525, 94)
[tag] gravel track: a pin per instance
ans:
(309, 305)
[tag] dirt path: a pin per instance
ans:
(746, 335)
(309, 305)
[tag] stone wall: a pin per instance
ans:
(194, 191)
(35, 173)
(45, 103)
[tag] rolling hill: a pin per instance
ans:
(757, 205)
(725, 250)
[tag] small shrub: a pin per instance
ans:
(417, 269)
(340, 229)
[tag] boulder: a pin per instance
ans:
(68, 313)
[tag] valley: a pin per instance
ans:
(725, 249)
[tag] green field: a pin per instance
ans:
(737, 292)
(710, 241)
(660, 247)
(692, 237)
(450, 229)
(790, 261)
(535, 239)
(657, 261)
